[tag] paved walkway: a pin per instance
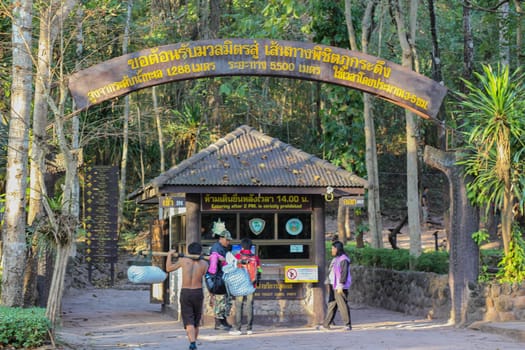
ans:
(124, 319)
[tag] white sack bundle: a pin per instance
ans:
(146, 274)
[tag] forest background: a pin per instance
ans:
(148, 131)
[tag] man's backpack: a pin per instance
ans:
(249, 262)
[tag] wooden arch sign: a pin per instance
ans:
(264, 57)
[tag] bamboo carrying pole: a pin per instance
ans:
(177, 255)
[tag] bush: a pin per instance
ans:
(436, 261)
(23, 328)
(396, 259)
(385, 258)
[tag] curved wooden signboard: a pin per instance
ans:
(264, 57)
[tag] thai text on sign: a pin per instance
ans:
(240, 202)
(265, 57)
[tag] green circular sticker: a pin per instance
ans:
(294, 226)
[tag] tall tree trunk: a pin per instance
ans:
(374, 207)
(468, 46)
(437, 73)
(56, 291)
(504, 47)
(464, 252)
(156, 7)
(63, 225)
(125, 131)
(141, 152)
(507, 218)
(407, 42)
(40, 111)
(348, 227)
(14, 227)
(156, 112)
(211, 32)
(51, 16)
(519, 32)
(359, 241)
(341, 234)
(503, 153)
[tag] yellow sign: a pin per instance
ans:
(352, 202)
(172, 202)
(301, 274)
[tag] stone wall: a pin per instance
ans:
(496, 302)
(428, 295)
(413, 293)
(410, 292)
(273, 311)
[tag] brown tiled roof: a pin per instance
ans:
(247, 157)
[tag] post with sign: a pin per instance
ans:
(347, 203)
(352, 202)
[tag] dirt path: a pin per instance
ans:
(124, 319)
(120, 318)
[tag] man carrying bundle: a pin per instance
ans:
(191, 294)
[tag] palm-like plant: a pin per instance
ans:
(189, 131)
(494, 124)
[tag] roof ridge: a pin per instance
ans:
(264, 165)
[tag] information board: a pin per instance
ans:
(100, 214)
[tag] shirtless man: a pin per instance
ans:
(191, 294)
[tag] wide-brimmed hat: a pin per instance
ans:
(226, 234)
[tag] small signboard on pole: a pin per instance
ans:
(352, 202)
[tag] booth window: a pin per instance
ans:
(284, 251)
(207, 220)
(257, 226)
(294, 226)
(277, 236)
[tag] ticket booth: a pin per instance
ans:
(271, 192)
(287, 231)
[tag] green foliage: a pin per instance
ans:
(382, 257)
(397, 259)
(23, 328)
(329, 24)
(436, 261)
(512, 266)
(494, 125)
(189, 132)
(480, 237)
(489, 261)
(343, 142)
(362, 227)
(282, 19)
